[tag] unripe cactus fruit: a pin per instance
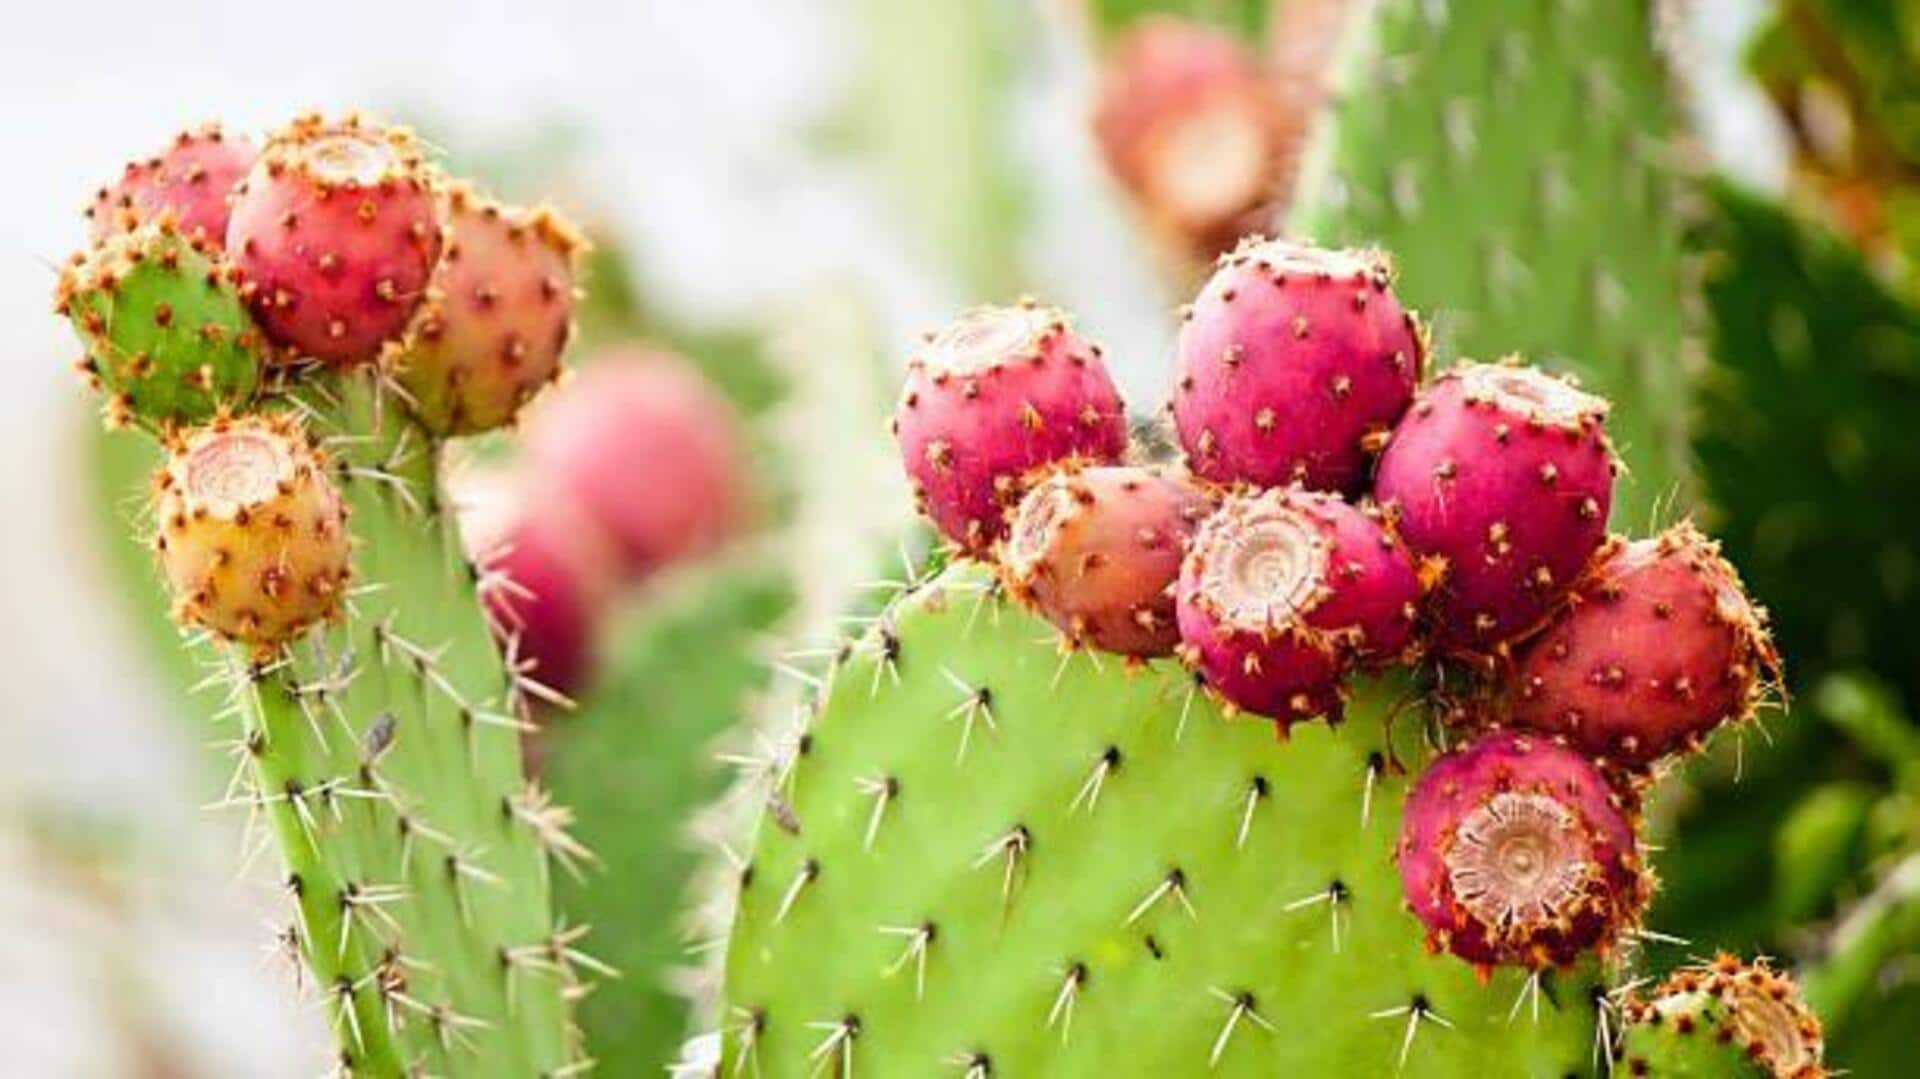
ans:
(191, 181)
(1724, 1018)
(1096, 551)
(1293, 362)
(337, 231)
(167, 335)
(1503, 477)
(1283, 591)
(1188, 123)
(1515, 850)
(252, 533)
(995, 395)
(651, 453)
(1660, 647)
(497, 317)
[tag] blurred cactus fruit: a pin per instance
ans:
(167, 334)
(252, 533)
(191, 182)
(337, 231)
(1294, 362)
(1283, 592)
(1190, 126)
(1660, 647)
(1516, 850)
(994, 396)
(652, 454)
(497, 317)
(1724, 1018)
(1096, 551)
(1501, 477)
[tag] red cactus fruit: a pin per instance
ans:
(1283, 591)
(1293, 362)
(337, 231)
(252, 533)
(1660, 647)
(497, 318)
(992, 397)
(1096, 550)
(192, 180)
(1500, 476)
(651, 452)
(1515, 850)
(1192, 128)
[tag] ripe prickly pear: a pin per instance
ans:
(1515, 850)
(1502, 476)
(651, 453)
(1096, 551)
(1293, 362)
(544, 598)
(498, 316)
(252, 533)
(1660, 647)
(1724, 1018)
(191, 181)
(996, 395)
(1283, 591)
(336, 230)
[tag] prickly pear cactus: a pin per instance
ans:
(1724, 1018)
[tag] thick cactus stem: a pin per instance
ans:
(1724, 1020)
(191, 182)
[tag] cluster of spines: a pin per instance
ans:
(1723, 1017)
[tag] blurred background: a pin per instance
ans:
(782, 195)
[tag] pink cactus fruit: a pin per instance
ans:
(1501, 477)
(652, 453)
(498, 316)
(1294, 362)
(1516, 851)
(1661, 646)
(1191, 127)
(994, 396)
(192, 180)
(1283, 592)
(1096, 551)
(337, 231)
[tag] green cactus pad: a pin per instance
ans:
(167, 334)
(1514, 159)
(1724, 1020)
(982, 863)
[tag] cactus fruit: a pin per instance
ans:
(994, 396)
(1283, 591)
(1502, 475)
(497, 317)
(650, 453)
(1661, 647)
(1293, 362)
(1096, 551)
(167, 334)
(545, 590)
(1725, 1019)
(337, 232)
(1515, 850)
(191, 181)
(1190, 125)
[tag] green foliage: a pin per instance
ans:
(1248, 18)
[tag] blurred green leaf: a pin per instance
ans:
(1817, 849)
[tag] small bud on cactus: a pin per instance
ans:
(497, 318)
(337, 232)
(1725, 1018)
(1283, 591)
(1502, 476)
(653, 455)
(1516, 851)
(1293, 362)
(1189, 124)
(252, 533)
(1660, 647)
(994, 396)
(1096, 551)
(190, 182)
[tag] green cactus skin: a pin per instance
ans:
(1117, 880)
(1513, 158)
(167, 335)
(1723, 1020)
